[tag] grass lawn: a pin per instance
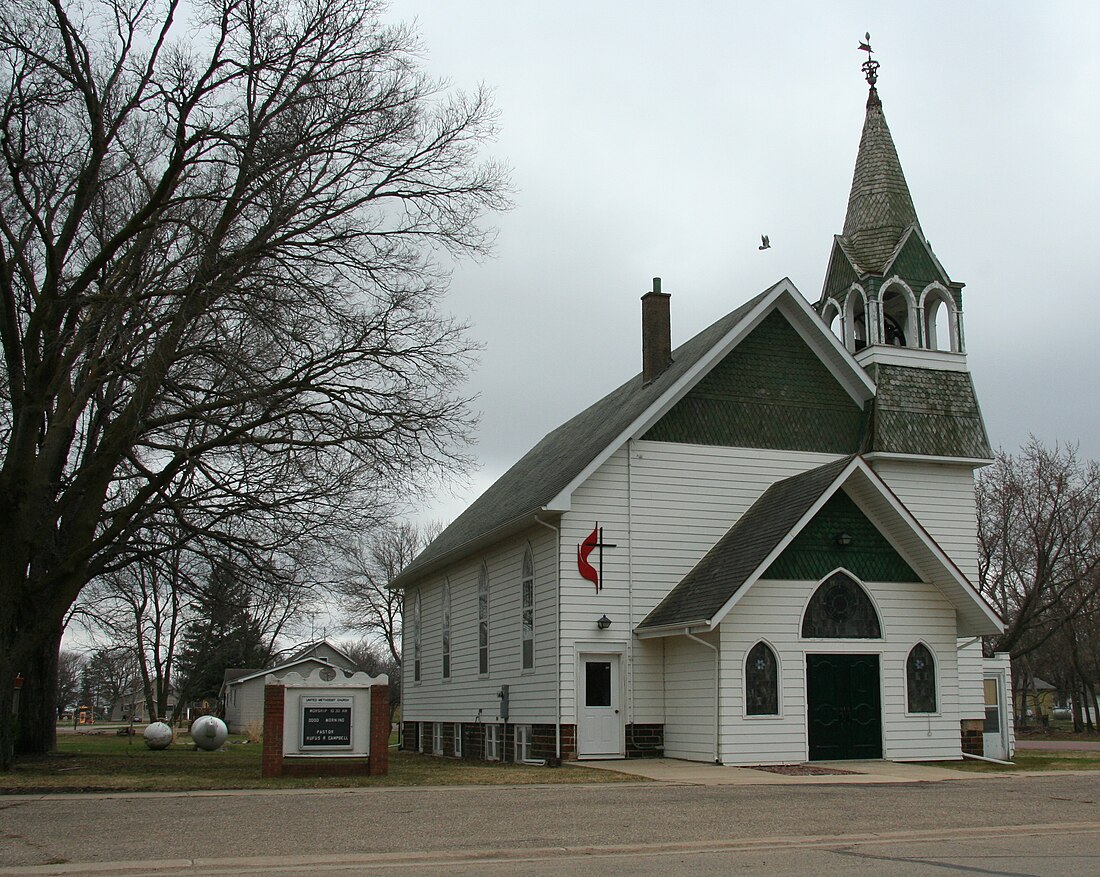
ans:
(1056, 730)
(108, 763)
(1031, 759)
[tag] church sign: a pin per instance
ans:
(326, 722)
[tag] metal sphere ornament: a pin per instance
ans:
(209, 732)
(158, 735)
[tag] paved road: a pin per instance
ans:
(1014, 826)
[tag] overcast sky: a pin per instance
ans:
(656, 139)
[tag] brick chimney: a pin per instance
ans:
(656, 332)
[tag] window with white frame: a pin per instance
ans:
(446, 629)
(523, 743)
(920, 680)
(416, 636)
(483, 621)
(437, 738)
(458, 739)
(492, 742)
(527, 622)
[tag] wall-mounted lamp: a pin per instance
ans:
(603, 623)
(843, 540)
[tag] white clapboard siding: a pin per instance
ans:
(941, 497)
(531, 693)
(665, 504)
(689, 699)
(971, 690)
(772, 611)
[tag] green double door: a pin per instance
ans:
(845, 707)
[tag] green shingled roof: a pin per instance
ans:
(880, 208)
(926, 411)
(727, 566)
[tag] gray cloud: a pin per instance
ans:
(647, 142)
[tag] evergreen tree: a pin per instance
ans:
(224, 634)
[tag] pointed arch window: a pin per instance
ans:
(483, 621)
(920, 679)
(446, 626)
(841, 609)
(761, 681)
(416, 636)
(527, 620)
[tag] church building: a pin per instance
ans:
(762, 549)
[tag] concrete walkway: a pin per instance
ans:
(673, 770)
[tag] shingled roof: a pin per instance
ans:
(726, 568)
(549, 467)
(880, 208)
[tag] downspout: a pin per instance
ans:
(557, 632)
(717, 714)
(629, 588)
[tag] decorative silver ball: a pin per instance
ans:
(158, 736)
(209, 732)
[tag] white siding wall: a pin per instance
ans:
(248, 706)
(772, 611)
(689, 699)
(941, 497)
(665, 504)
(532, 692)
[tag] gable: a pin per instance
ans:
(814, 552)
(841, 274)
(771, 391)
(915, 265)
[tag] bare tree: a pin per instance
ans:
(70, 667)
(370, 606)
(220, 239)
(1039, 562)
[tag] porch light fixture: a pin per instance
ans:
(603, 623)
(843, 540)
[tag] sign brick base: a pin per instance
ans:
(276, 764)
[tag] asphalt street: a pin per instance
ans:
(1046, 825)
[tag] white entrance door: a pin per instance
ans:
(599, 720)
(995, 731)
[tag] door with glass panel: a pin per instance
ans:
(599, 713)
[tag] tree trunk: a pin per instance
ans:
(37, 722)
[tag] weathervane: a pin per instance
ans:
(870, 66)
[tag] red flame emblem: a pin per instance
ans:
(587, 570)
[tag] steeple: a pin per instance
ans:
(880, 208)
(884, 287)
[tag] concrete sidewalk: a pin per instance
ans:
(673, 770)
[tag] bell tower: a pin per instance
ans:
(899, 313)
(884, 288)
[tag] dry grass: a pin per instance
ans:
(254, 732)
(105, 762)
(1031, 760)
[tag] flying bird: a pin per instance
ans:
(764, 243)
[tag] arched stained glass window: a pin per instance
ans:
(920, 679)
(446, 628)
(841, 609)
(761, 682)
(527, 621)
(416, 637)
(483, 620)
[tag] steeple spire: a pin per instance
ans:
(884, 286)
(880, 208)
